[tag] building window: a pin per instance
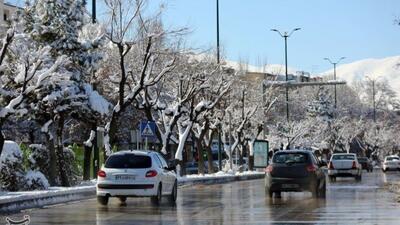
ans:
(5, 17)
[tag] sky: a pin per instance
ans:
(356, 29)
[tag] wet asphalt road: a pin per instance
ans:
(347, 202)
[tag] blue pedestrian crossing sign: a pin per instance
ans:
(147, 129)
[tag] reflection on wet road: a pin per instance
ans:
(347, 202)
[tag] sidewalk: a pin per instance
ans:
(16, 201)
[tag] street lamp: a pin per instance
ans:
(285, 35)
(334, 73)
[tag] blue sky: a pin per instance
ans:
(357, 29)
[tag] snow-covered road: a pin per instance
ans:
(347, 202)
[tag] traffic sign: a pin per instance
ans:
(147, 129)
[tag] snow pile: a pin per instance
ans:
(218, 175)
(35, 180)
(11, 169)
(12, 174)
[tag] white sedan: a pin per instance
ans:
(136, 174)
(344, 165)
(391, 163)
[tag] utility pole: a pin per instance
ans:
(93, 11)
(373, 99)
(334, 73)
(220, 126)
(285, 35)
(96, 153)
(218, 48)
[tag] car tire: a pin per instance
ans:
(102, 200)
(322, 191)
(383, 170)
(156, 200)
(269, 192)
(174, 193)
(122, 199)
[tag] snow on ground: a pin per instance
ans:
(218, 175)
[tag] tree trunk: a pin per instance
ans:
(251, 162)
(60, 152)
(200, 155)
(86, 162)
(52, 160)
(209, 160)
(2, 140)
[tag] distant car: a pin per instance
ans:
(391, 163)
(295, 171)
(366, 164)
(344, 165)
(193, 167)
(136, 174)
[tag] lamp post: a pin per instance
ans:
(285, 35)
(334, 73)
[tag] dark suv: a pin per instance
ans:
(295, 171)
(365, 163)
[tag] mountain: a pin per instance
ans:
(385, 69)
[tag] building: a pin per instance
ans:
(7, 11)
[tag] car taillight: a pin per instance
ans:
(269, 169)
(101, 173)
(311, 168)
(330, 166)
(354, 166)
(151, 173)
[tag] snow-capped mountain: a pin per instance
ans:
(385, 69)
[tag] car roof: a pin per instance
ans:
(343, 154)
(136, 152)
(295, 151)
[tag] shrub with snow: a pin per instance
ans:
(70, 168)
(39, 159)
(12, 175)
(35, 180)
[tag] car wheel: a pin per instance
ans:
(278, 194)
(122, 199)
(174, 193)
(322, 191)
(269, 192)
(156, 200)
(383, 170)
(102, 200)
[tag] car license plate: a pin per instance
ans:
(290, 185)
(124, 177)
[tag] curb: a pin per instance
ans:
(39, 200)
(53, 197)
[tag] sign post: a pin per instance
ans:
(147, 130)
(261, 149)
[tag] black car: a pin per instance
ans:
(366, 164)
(295, 171)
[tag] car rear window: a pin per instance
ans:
(290, 158)
(343, 157)
(362, 159)
(392, 158)
(128, 161)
